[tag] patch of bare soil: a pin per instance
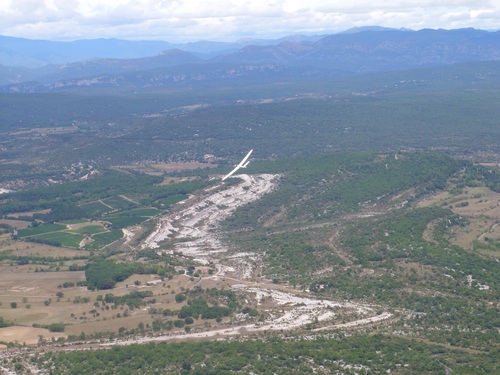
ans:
(16, 224)
(159, 168)
(47, 131)
(29, 213)
(21, 248)
(27, 335)
(174, 167)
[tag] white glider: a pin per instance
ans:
(243, 164)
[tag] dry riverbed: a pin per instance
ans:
(192, 231)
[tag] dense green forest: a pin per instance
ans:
(104, 273)
(411, 110)
(346, 355)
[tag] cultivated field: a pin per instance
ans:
(21, 248)
(40, 300)
(158, 169)
(26, 335)
(16, 224)
(481, 207)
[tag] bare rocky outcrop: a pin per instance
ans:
(192, 231)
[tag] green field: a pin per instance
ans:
(41, 229)
(103, 239)
(123, 222)
(144, 212)
(88, 229)
(76, 221)
(95, 208)
(118, 203)
(173, 199)
(64, 238)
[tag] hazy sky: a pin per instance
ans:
(226, 20)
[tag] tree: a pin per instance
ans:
(56, 327)
(180, 298)
(141, 326)
(3, 323)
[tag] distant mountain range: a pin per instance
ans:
(30, 53)
(37, 66)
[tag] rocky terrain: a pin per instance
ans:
(193, 232)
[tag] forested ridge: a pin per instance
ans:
(452, 109)
(323, 187)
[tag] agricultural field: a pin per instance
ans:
(44, 298)
(8, 246)
(481, 207)
(67, 235)
(16, 224)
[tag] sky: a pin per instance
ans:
(230, 20)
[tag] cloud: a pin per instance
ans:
(177, 20)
